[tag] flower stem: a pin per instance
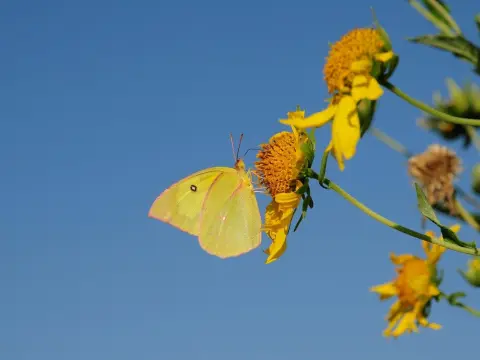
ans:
(424, 107)
(395, 226)
(323, 168)
(392, 143)
(465, 214)
(470, 310)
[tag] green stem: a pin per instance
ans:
(424, 107)
(470, 310)
(465, 214)
(323, 167)
(393, 225)
(392, 143)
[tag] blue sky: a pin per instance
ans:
(107, 103)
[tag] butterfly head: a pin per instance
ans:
(239, 164)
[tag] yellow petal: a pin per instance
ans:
(393, 317)
(424, 322)
(401, 259)
(278, 216)
(433, 290)
(365, 87)
(384, 57)
(277, 247)
(455, 228)
(406, 324)
(434, 326)
(361, 66)
(314, 120)
(385, 291)
(346, 128)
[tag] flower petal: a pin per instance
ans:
(278, 217)
(384, 57)
(433, 290)
(385, 291)
(364, 87)
(345, 129)
(401, 259)
(314, 120)
(406, 324)
(455, 228)
(277, 247)
(361, 66)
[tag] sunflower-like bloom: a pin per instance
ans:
(347, 72)
(414, 286)
(280, 162)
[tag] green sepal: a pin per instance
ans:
(387, 44)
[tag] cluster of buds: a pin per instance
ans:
(463, 103)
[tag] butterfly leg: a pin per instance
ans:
(260, 189)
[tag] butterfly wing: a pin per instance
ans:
(182, 203)
(230, 223)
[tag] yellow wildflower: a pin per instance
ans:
(278, 168)
(347, 72)
(414, 287)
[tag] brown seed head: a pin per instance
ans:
(436, 170)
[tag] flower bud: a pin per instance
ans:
(476, 178)
(472, 275)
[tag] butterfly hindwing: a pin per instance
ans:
(230, 224)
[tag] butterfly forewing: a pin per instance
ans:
(182, 203)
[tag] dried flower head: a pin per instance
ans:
(436, 170)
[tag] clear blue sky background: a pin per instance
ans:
(107, 103)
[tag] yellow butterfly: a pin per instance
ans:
(218, 205)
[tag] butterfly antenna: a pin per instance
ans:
(246, 152)
(238, 149)
(233, 147)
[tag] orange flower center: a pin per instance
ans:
(413, 282)
(358, 44)
(277, 166)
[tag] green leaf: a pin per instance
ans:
(427, 211)
(453, 298)
(450, 236)
(442, 13)
(307, 199)
(424, 206)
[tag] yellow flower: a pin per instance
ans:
(414, 287)
(278, 168)
(347, 72)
